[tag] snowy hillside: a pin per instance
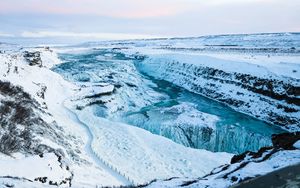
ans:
(52, 132)
(250, 165)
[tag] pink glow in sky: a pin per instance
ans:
(149, 17)
(111, 8)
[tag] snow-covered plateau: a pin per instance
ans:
(211, 111)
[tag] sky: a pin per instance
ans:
(124, 19)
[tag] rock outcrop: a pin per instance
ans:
(33, 58)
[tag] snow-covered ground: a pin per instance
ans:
(254, 76)
(190, 116)
(250, 165)
(142, 156)
(118, 151)
(32, 78)
(154, 105)
(34, 167)
(252, 169)
(257, 74)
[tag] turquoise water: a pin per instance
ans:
(231, 132)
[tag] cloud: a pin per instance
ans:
(112, 8)
(117, 18)
(6, 35)
(46, 34)
(230, 2)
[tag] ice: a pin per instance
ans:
(222, 80)
(127, 90)
(186, 125)
(182, 123)
(142, 156)
(187, 114)
(158, 106)
(297, 144)
(130, 90)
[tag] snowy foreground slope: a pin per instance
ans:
(80, 151)
(245, 167)
(56, 134)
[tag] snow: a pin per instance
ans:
(49, 58)
(100, 163)
(21, 183)
(234, 65)
(58, 90)
(113, 153)
(277, 161)
(46, 166)
(188, 71)
(280, 65)
(119, 153)
(283, 41)
(142, 156)
(297, 144)
(189, 115)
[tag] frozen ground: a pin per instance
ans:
(118, 151)
(257, 75)
(142, 156)
(34, 167)
(33, 79)
(251, 170)
(156, 105)
(282, 159)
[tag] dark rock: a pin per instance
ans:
(33, 58)
(130, 84)
(240, 157)
(234, 178)
(9, 185)
(285, 140)
(187, 183)
(280, 141)
(284, 177)
(53, 183)
(41, 179)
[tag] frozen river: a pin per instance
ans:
(161, 107)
